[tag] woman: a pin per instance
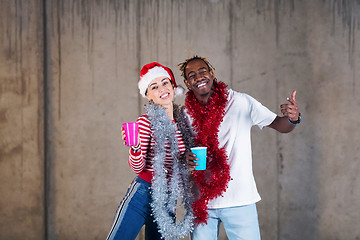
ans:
(162, 175)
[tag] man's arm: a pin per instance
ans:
(290, 112)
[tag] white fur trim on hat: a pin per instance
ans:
(149, 76)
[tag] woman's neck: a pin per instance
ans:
(169, 110)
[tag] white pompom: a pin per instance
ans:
(179, 91)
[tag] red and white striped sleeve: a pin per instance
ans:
(137, 157)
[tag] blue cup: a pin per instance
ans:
(200, 153)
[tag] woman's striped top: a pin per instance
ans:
(141, 161)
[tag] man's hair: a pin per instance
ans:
(183, 65)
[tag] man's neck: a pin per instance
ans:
(204, 99)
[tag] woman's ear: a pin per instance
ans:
(148, 98)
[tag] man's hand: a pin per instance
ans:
(291, 109)
(190, 157)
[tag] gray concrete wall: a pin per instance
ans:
(63, 167)
(21, 121)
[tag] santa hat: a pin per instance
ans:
(153, 70)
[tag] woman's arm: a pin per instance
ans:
(137, 153)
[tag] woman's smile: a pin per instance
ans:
(165, 95)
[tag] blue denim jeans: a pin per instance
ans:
(240, 223)
(133, 212)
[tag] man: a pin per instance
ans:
(221, 120)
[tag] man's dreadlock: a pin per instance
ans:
(182, 66)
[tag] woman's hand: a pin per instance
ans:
(190, 157)
(123, 136)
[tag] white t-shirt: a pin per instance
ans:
(241, 113)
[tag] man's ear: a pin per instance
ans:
(187, 83)
(212, 73)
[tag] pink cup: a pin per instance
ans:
(131, 133)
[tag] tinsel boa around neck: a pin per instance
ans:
(213, 181)
(165, 191)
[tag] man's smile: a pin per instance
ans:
(201, 84)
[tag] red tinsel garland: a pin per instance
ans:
(213, 181)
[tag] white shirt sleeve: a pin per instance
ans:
(259, 114)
